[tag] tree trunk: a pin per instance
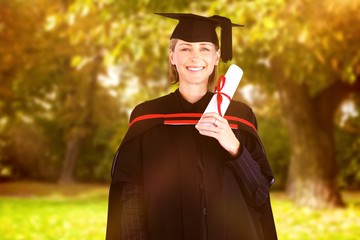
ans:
(312, 176)
(84, 126)
(72, 152)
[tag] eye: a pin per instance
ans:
(205, 49)
(185, 49)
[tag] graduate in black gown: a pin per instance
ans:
(181, 175)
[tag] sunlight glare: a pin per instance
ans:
(348, 110)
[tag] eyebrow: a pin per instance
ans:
(202, 44)
(206, 44)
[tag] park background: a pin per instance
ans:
(72, 70)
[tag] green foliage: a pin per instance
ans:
(32, 153)
(276, 142)
(348, 156)
(348, 146)
(303, 35)
(50, 92)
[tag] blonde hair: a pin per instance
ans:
(173, 74)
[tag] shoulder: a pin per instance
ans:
(158, 105)
(240, 106)
(242, 110)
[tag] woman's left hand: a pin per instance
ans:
(213, 125)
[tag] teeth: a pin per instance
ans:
(195, 68)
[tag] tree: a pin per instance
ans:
(25, 86)
(309, 53)
(52, 85)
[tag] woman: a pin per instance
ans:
(180, 175)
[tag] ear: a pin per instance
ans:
(218, 54)
(171, 57)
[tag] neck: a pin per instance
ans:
(194, 93)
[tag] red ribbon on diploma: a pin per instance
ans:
(220, 85)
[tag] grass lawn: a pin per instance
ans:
(34, 211)
(294, 223)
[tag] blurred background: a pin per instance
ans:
(71, 71)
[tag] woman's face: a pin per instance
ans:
(194, 61)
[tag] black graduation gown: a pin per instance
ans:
(189, 192)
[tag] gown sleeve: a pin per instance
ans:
(132, 212)
(126, 208)
(254, 176)
(247, 172)
(251, 167)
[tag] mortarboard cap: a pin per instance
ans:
(196, 28)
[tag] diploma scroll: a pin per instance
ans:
(225, 90)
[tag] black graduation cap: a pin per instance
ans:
(196, 28)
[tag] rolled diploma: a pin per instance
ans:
(233, 77)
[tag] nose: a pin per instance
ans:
(195, 54)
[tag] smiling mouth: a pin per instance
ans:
(195, 69)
